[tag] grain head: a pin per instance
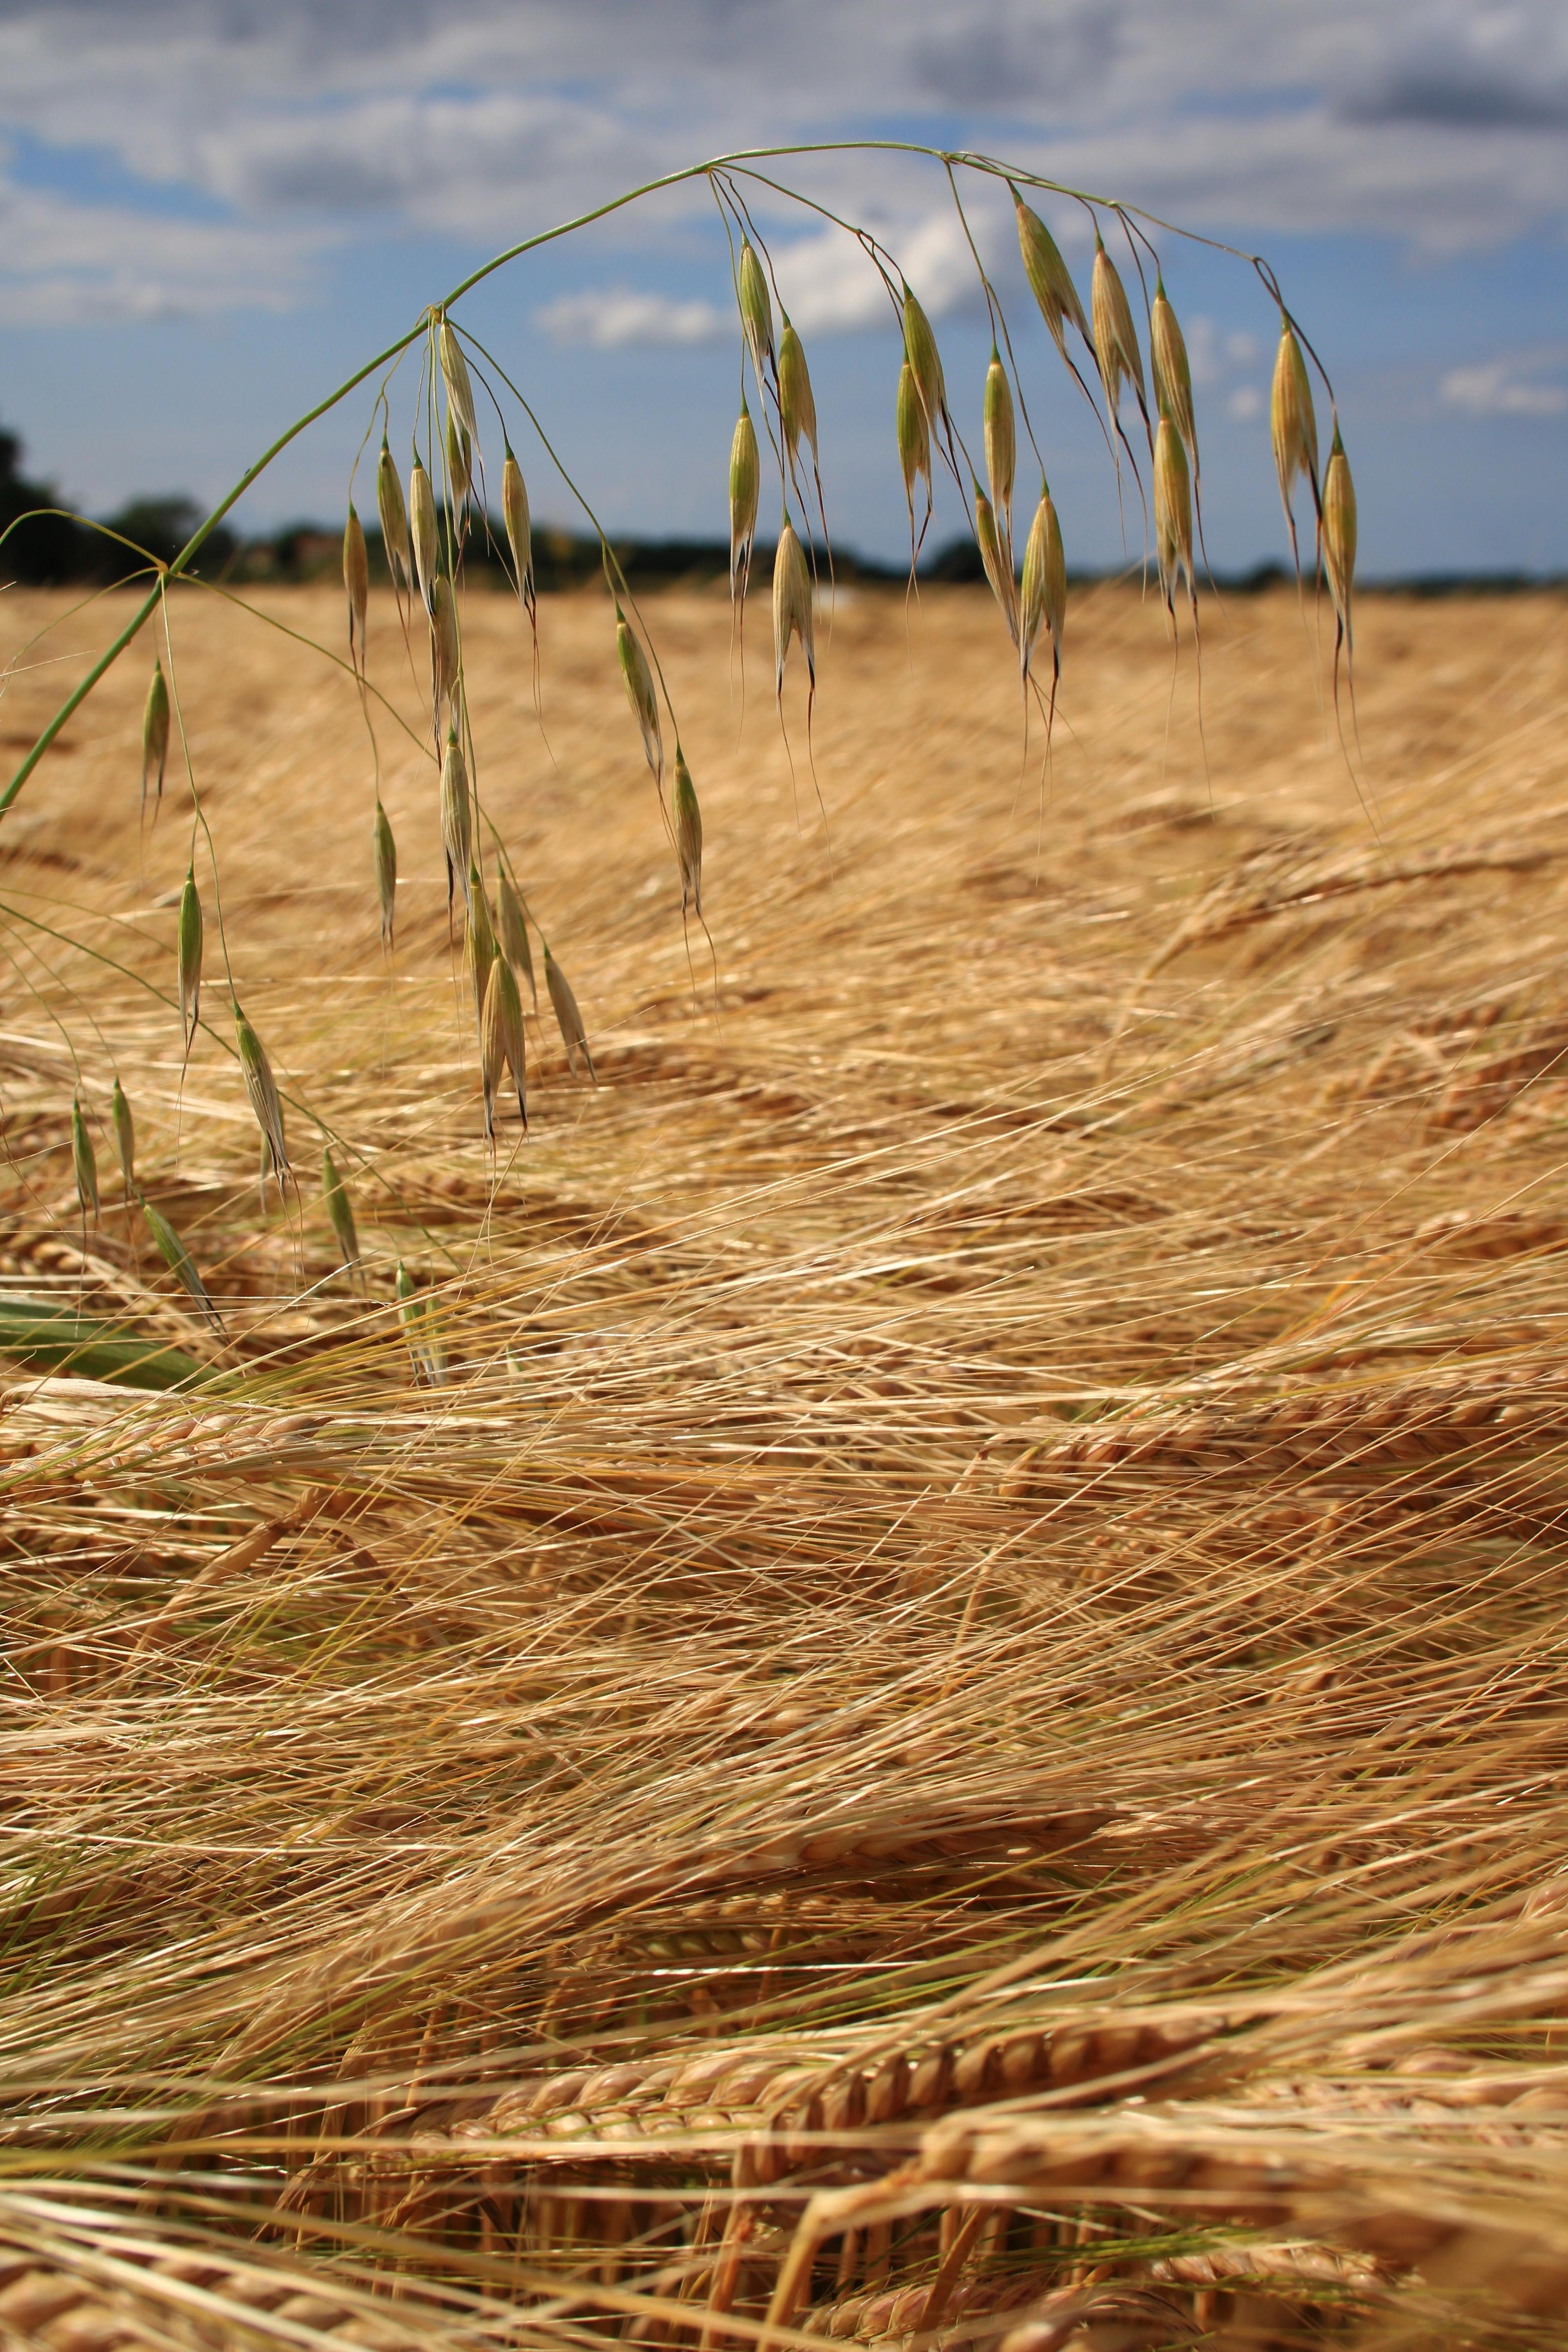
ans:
(188, 957)
(501, 1042)
(797, 409)
(457, 821)
(688, 834)
(574, 1036)
(1001, 449)
(1339, 532)
(394, 517)
(1044, 596)
(423, 527)
(459, 460)
(340, 1210)
(791, 605)
(925, 361)
(179, 1261)
(914, 447)
(84, 1161)
(124, 1136)
(1115, 337)
(1172, 514)
(511, 925)
(385, 872)
(1173, 371)
(518, 525)
(455, 375)
(1050, 280)
(745, 481)
(638, 677)
(445, 649)
(155, 732)
(479, 944)
(356, 582)
(756, 308)
(996, 559)
(261, 1092)
(1293, 426)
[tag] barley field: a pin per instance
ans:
(929, 1711)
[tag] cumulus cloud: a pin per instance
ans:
(64, 264)
(1520, 386)
(1438, 121)
(608, 317)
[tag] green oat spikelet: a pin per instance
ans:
(511, 925)
(997, 561)
(501, 1040)
(792, 606)
(188, 957)
(1001, 451)
(84, 1161)
(423, 527)
(455, 375)
(1173, 371)
(1050, 280)
(1339, 545)
(1115, 337)
(261, 1091)
(914, 453)
(745, 483)
(1173, 518)
(124, 1127)
(569, 1020)
(925, 363)
(479, 944)
(155, 732)
(393, 518)
(797, 407)
(356, 584)
(519, 528)
(688, 835)
(179, 1261)
(385, 872)
(340, 1210)
(756, 308)
(638, 679)
(457, 821)
(1044, 596)
(445, 650)
(459, 460)
(1292, 428)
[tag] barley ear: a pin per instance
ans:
(84, 1161)
(340, 1210)
(385, 872)
(394, 517)
(179, 1261)
(745, 482)
(511, 925)
(124, 1136)
(188, 954)
(756, 308)
(688, 835)
(356, 582)
(568, 1019)
(155, 732)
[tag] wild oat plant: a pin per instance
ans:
(891, 1669)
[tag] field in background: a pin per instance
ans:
(978, 1632)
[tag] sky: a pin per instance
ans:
(214, 211)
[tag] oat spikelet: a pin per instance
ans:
(501, 1040)
(1173, 517)
(385, 872)
(925, 362)
(756, 308)
(479, 945)
(411, 1314)
(572, 1035)
(156, 733)
(459, 460)
(745, 481)
(456, 821)
(1050, 280)
(84, 1160)
(446, 651)
(356, 582)
(1115, 337)
(914, 451)
(798, 408)
(512, 925)
(640, 694)
(1173, 371)
(454, 374)
(519, 527)
(394, 517)
(1001, 449)
(188, 958)
(688, 835)
(262, 1093)
(792, 606)
(179, 1261)
(340, 1210)
(1044, 598)
(423, 527)
(124, 1136)
(1292, 427)
(1340, 540)
(997, 563)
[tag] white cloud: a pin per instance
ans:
(618, 314)
(1245, 403)
(65, 263)
(1505, 387)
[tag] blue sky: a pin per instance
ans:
(211, 210)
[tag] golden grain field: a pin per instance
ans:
(949, 1729)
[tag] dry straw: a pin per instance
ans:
(688, 835)
(574, 1036)
(155, 732)
(124, 1135)
(340, 1211)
